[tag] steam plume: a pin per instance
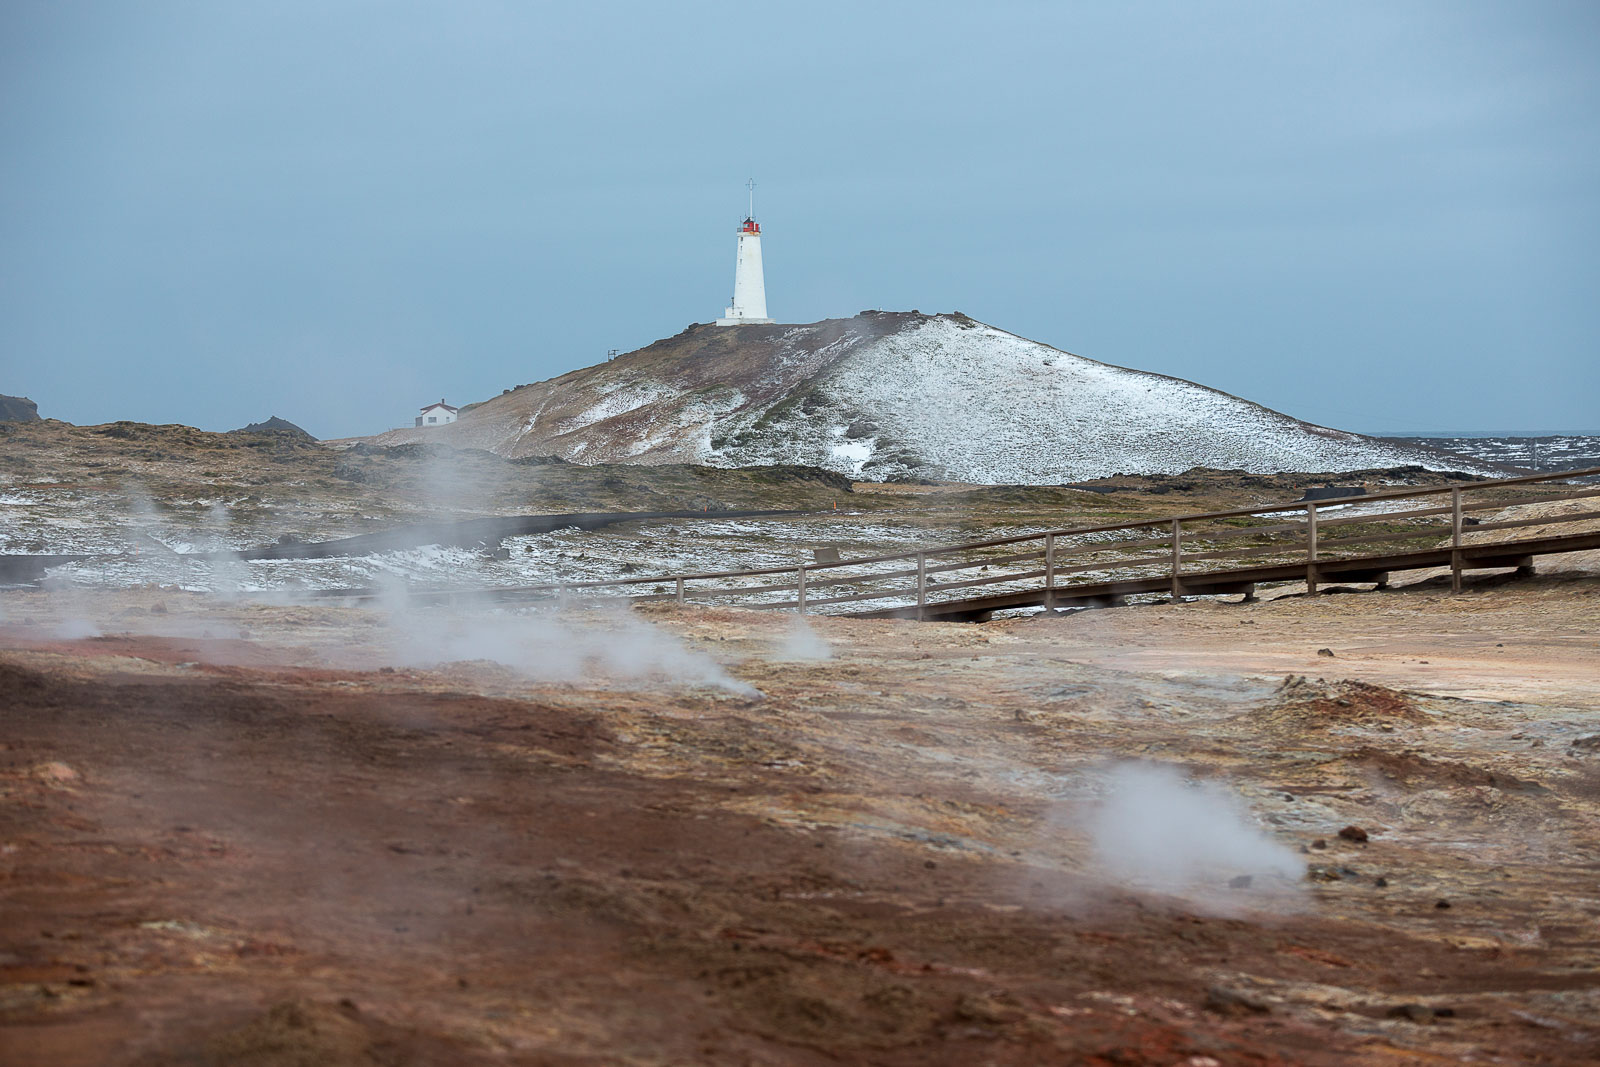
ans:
(1198, 841)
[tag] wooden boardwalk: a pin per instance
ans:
(1373, 569)
(1345, 539)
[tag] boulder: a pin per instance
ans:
(18, 409)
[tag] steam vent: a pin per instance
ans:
(749, 288)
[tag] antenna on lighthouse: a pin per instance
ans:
(752, 184)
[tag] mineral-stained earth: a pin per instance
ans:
(263, 832)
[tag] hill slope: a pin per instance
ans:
(896, 395)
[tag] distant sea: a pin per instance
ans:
(1527, 450)
(1486, 433)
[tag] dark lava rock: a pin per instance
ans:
(275, 425)
(352, 472)
(982, 1009)
(1586, 746)
(1353, 833)
(25, 569)
(1417, 1013)
(1333, 492)
(1226, 1001)
(18, 409)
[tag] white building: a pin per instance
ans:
(437, 414)
(749, 287)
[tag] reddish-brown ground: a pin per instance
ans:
(233, 852)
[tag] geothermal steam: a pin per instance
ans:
(1156, 831)
(802, 644)
(564, 647)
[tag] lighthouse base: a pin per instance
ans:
(745, 322)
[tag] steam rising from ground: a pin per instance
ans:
(599, 644)
(1156, 831)
(74, 630)
(803, 644)
(568, 646)
(607, 645)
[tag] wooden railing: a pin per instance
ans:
(1310, 532)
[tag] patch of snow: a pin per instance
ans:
(854, 453)
(619, 399)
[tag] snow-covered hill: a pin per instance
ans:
(895, 395)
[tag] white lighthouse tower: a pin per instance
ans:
(749, 287)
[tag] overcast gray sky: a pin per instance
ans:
(1374, 215)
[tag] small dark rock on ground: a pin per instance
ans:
(1226, 1001)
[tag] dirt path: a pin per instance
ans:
(1538, 642)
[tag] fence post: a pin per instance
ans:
(922, 584)
(1455, 539)
(1177, 558)
(1311, 550)
(678, 592)
(800, 593)
(1049, 571)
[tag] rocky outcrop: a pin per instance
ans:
(275, 425)
(18, 409)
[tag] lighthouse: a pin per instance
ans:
(749, 288)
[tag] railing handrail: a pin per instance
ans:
(1011, 539)
(1053, 550)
